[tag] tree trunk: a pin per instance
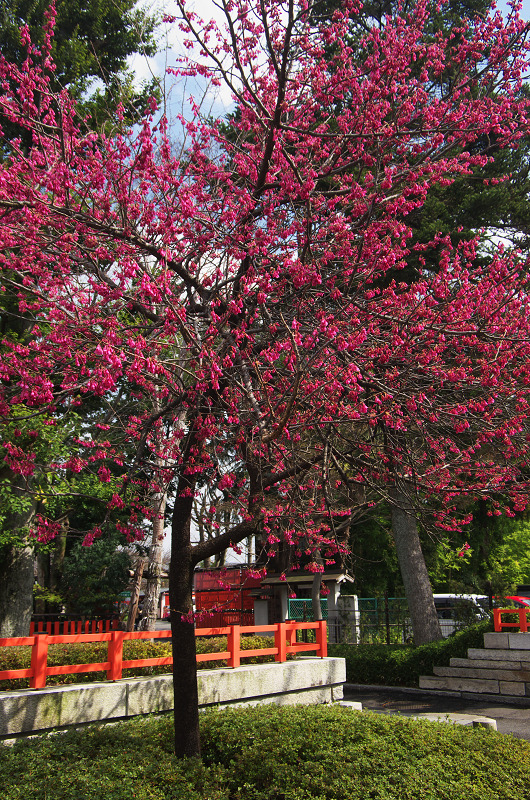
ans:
(154, 565)
(135, 594)
(17, 564)
(315, 589)
(186, 700)
(57, 557)
(418, 589)
(16, 591)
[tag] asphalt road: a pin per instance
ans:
(514, 720)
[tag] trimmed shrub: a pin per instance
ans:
(402, 665)
(271, 753)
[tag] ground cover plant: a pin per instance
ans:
(402, 664)
(86, 653)
(271, 753)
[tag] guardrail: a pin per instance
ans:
(284, 644)
(522, 622)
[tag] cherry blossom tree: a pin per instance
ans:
(238, 289)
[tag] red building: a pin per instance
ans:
(226, 596)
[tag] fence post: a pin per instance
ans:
(322, 639)
(523, 621)
(39, 660)
(234, 646)
(115, 656)
(291, 635)
(280, 642)
(497, 619)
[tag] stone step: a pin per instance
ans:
(498, 655)
(507, 641)
(468, 671)
(483, 663)
(474, 685)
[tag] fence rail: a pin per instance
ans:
(284, 637)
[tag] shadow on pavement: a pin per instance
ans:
(513, 720)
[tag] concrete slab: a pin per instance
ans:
(507, 641)
(484, 663)
(460, 719)
(351, 704)
(512, 688)
(460, 684)
(468, 671)
(498, 655)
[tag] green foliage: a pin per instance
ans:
(94, 576)
(509, 562)
(96, 653)
(37, 439)
(92, 42)
(47, 595)
(373, 556)
(402, 665)
(271, 753)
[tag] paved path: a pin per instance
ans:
(393, 700)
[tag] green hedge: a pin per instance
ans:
(86, 653)
(271, 753)
(402, 665)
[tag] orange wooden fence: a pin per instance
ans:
(284, 644)
(521, 623)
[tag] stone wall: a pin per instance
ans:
(305, 680)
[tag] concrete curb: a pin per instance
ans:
(307, 680)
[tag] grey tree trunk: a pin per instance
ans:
(418, 589)
(154, 565)
(16, 591)
(315, 590)
(135, 595)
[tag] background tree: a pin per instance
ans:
(91, 44)
(492, 196)
(94, 576)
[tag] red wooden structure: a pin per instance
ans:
(283, 644)
(226, 595)
(521, 623)
(65, 627)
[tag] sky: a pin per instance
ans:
(215, 102)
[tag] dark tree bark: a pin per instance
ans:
(185, 693)
(418, 589)
(16, 590)
(16, 565)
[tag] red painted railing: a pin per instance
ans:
(522, 622)
(284, 644)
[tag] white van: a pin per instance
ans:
(457, 611)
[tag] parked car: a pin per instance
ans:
(519, 601)
(457, 611)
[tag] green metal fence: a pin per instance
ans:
(383, 620)
(301, 609)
